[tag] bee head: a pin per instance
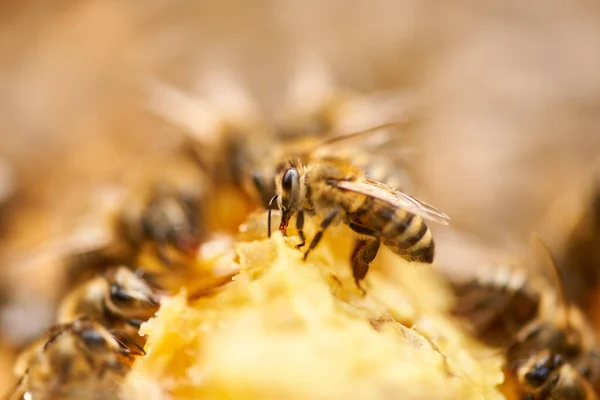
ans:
(540, 368)
(290, 193)
(129, 294)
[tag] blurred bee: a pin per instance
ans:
(555, 353)
(546, 376)
(166, 217)
(77, 360)
(340, 191)
(496, 304)
(160, 219)
(118, 299)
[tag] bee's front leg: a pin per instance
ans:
(324, 225)
(300, 228)
(300, 225)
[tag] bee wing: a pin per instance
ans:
(394, 197)
(546, 264)
(368, 139)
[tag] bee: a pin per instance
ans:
(547, 376)
(555, 355)
(339, 191)
(497, 303)
(166, 217)
(546, 349)
(77, 360)
(120, 298)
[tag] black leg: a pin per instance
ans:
(324, 225)
(363, 230)
(364, 252)
(300, 227)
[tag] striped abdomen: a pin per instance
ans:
(406, 234)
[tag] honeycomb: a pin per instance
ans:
(285, 328)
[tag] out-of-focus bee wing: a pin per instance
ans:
(545, 262)
(394, 197)
(367, 139)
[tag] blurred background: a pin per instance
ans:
(507, 94)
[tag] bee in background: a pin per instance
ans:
(120, 299)
(555, 355)
(496, 304)
(168, 218)
(78, 360)
(339, 191)
(547, 376)
(165, 216)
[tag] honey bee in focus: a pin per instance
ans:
(77, 360)
(337, 190)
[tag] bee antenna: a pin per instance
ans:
(549, 260)
(273, 199)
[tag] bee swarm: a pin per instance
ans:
(288, 329)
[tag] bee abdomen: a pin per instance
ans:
(408, 236)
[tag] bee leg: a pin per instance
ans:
(300, 228)
(364, 252)
(324, 225)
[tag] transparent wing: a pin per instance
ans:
(368, 139)
(545, 264)
(394, 197)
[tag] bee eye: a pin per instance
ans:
(92, 338)
(537, 376)
(118, 295)
(289, 179)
